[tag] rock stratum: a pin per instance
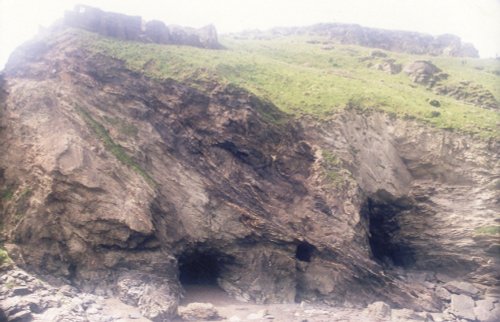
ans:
(131, 187)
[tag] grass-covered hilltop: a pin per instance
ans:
(310, 75)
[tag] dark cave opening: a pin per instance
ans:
(304, 252)
(200, 267)
(387, 244)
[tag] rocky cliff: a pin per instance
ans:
(134, 186)
(399, 41)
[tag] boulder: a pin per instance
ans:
(378, 311)
(389, 66)
(424, 72)
(464, 288)
(487, 311)
(443, 293)
(152, 294)
(462, 306)
(198, 311)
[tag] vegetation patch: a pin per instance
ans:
(333, 170)
(488, 230)
(125, 128)
(117, 150)
(8, 193)
(4, 257)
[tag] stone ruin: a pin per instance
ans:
(127, 27)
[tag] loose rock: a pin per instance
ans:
(198, 311)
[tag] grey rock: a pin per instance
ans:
(462, 306)
(443, 278)
(21, 290)
(134, 316)
(198, 311)
(487, 311)
(443, 293)
(424, 72)
(378, 310)
(151, 293)
(21, 316)
(403, 315)
(459, 287)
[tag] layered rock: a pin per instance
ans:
(431, 193)
(126, 27)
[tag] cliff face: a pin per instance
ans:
(118, 181)
(113, 172)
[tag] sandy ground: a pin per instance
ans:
(233, 310)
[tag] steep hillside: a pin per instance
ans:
(278, 170)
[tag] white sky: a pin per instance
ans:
(476, 21)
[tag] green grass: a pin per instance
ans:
(488, 230)
(333, 170)
(8, 193)
(4, 257)
(303, 79)
(125, 128)
(117, 150)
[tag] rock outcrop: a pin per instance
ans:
(426, 73)
(126, 27)
(399, 41)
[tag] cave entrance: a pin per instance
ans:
(199, 268)
(387, 242)
(304, 252)
(199, 271)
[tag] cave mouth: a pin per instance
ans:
(304, 252)
(200, 267)
(386, 240)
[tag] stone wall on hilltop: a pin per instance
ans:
(126, 27)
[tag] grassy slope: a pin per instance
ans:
(302, 78)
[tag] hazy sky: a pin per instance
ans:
(476, 21)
